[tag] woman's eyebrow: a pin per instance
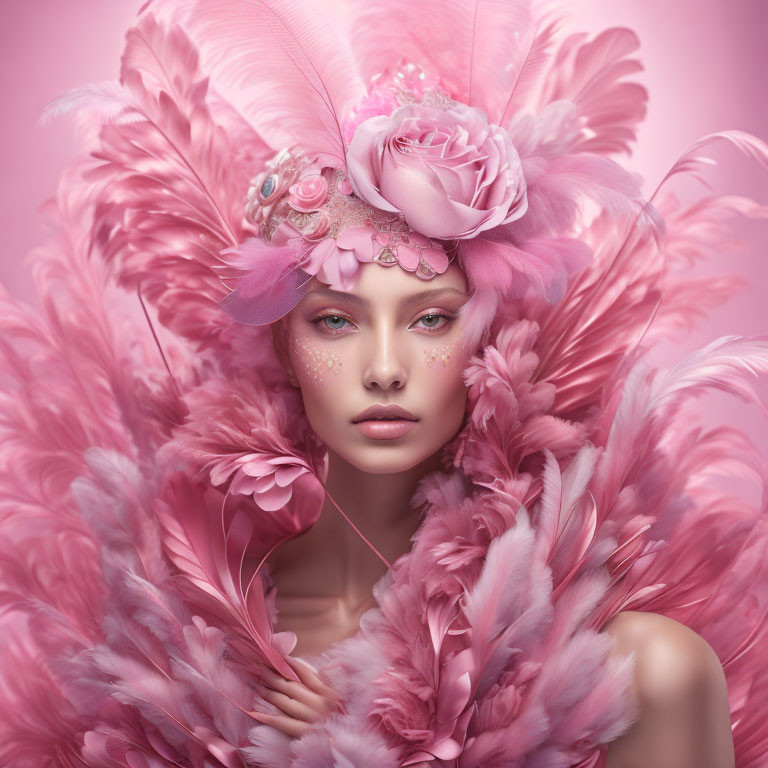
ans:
(413, 298)
(434, 293)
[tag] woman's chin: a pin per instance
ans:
(386, 459)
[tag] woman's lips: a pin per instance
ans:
(385, 429)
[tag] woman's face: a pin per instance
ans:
(391, 341)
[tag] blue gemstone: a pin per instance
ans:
(268, 187)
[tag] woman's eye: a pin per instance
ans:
(434, 321)
(331, 322)
(334, 322)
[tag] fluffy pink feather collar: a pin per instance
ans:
(484, 649)
(484, 646)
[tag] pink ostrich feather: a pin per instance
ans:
(591, 75)
(171, 206)
(298, 86)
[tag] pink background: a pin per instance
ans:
(705, 70)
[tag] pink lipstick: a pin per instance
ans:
(385, 422)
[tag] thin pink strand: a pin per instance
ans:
(157, 342)
(357, 530)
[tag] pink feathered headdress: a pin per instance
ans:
(413, 163)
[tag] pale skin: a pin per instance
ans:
(384, 344)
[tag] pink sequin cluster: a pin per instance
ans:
(406, 84)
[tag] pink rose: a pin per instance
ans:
(308, 193)
(450, 173)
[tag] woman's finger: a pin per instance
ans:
(311, 679)
(287, 725)
(298, 691)
(292, 706)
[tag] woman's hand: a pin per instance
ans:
(302, 703)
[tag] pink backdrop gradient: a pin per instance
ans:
(705, 70)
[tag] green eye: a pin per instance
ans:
(433, 321)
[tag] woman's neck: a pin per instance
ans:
(331, 559)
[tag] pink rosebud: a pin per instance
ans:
(308, 193)
(449, 172)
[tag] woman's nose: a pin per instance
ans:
(384, 365)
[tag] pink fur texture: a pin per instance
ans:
(152, 452)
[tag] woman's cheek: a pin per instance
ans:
(317, 363)
(441, 353)
(444, 380)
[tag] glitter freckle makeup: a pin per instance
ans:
(442, 353)
(317, 361)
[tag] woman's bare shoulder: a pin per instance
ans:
(671, 659)
(680, 688)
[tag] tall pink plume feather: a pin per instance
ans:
(283, 66)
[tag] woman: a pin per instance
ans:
(326, 576)
(529, 565)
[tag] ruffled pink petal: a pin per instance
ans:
(329, 272)
(287, 475)
(349, 269)
(359, 240)
(364, 161)
(273, 499)
(318, 256)
(263, 484)
(257, 467)
(428, 210)
(281, 461)
(407, 257)
(437, 259)
(243, 484)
